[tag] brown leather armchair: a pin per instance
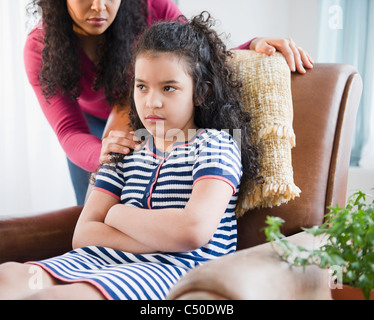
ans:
(325, 104)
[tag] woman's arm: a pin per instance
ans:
(65, 116)
(162, 10)
(92, 231)
(176, 230)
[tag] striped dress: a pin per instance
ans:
(153, 180)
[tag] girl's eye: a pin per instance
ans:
(169, 89)
(141, 87)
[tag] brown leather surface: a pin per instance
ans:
(255, 273)
(325, 103)
(39, 236)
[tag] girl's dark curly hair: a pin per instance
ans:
(216, 94)
(61, 70)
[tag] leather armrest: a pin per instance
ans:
(39, 236)
(254, 273)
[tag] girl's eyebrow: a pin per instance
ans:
(161, 82)
(139, 80)
(170, 82)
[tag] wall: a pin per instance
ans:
(361, 179)
(245, 19)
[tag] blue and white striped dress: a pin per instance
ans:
(149, 179)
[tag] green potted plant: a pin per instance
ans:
(348, 247)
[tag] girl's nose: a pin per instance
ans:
(154, 100)
(98, 5)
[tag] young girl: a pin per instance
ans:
(169, 207)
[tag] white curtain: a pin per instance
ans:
(347, 36)
(33, 175)
(367, 157)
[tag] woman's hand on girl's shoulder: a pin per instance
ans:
(117, 142)
(297, 58)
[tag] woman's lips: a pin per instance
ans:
(97, 21)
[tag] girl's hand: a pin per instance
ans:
(297, 58)
(117, 142)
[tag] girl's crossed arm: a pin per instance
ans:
(175, 230)
(92, 231)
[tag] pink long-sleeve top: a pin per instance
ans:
(67, 117)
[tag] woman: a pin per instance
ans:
(76, 59)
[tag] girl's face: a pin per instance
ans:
(163, 96)
(92, 17)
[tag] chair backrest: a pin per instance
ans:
(325, 102)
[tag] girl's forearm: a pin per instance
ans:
(166, 230)
(93, 233)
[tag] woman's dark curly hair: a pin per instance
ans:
(61, 70)
(216, 93)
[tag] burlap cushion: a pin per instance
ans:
(267, 96)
